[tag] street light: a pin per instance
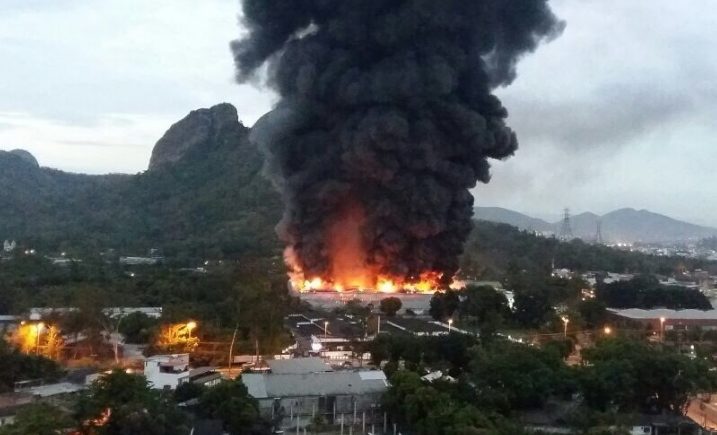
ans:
(191, 325)
(607, 330)
(662, 328)
(565, 325)
(38, 330)
(450, 323)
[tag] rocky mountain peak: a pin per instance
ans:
(196, 131)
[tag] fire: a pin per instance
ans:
(427, 283)
(347, 254)
(386, 286)
(314, 284)
(349, 265)
(457, 284)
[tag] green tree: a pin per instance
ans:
(444, 304)
(16, 366)
(449, 352)
(532, 308)
(137, 328)
(390, 305)
(230, 402)
(562, 347)
(593, 313)
(187, 391)
(125, 404)
(645, 291)
(355, 307)
(516, 376)
(485, 308)
(39, 419)
(380, 349)
(635, 376)
(429, 410)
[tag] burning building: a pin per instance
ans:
(386, 120)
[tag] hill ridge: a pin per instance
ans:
(625, 224)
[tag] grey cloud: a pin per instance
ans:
(92, 143)
(610, 117)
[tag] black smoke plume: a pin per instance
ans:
(386, 104)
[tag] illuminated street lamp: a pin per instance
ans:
(191, 325)
(565, 325)
(450, 323)
(662, 328)
(38, 330)
(607, 330)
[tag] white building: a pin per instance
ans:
(167, 371)
(171, 371)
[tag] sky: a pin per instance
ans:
(617, 112)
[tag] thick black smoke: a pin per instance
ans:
(388, 104)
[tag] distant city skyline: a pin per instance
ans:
(617, 112)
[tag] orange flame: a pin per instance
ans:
(386, 286)
(428, 282)
(349, 268)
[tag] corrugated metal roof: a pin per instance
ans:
(55, 389)
(297, 366)
(255, 384)
(372, 375)
(637, 313)
(314, 384)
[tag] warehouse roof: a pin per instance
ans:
(268, 385)
(55, 389)
(298, 366)
(640, 314)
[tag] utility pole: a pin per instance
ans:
(231, 349)
(116, 338)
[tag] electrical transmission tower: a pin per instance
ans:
(566, 231)
(598, 233)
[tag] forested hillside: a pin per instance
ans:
(495, 250)
(207, 198)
